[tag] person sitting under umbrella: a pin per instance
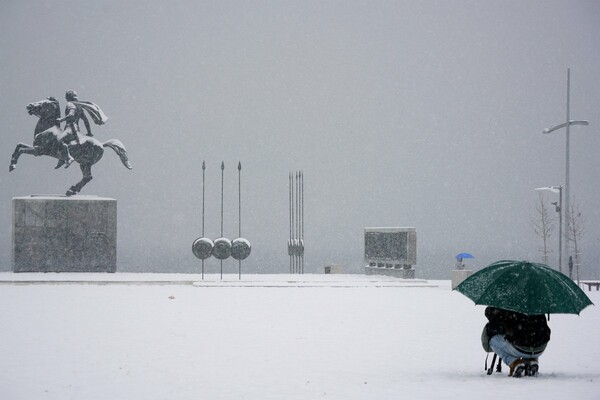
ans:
(518, 339)
(460, 264)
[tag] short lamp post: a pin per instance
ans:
(557, 189)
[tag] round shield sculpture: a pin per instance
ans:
(222, 249)
(203, 248)
(240, 249)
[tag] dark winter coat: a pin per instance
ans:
(529, 333)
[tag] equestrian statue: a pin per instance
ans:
(68, 145)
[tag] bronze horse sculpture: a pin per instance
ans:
(47, 142)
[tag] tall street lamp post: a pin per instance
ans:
(566, 125)
(557, 189)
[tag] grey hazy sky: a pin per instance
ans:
(401, 113)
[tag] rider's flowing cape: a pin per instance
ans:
(93, 110)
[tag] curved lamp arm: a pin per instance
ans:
(564, 124)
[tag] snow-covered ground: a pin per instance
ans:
(142, 336)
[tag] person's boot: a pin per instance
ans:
(66, 163)
(517, 368)
(532, 367)
(69, 162)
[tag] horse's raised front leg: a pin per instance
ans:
(86, 169)
(22, 148)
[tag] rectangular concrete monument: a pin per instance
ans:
(391, 251)
(64, 234)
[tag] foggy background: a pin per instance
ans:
(400, 113)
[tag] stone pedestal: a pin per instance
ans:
(459, 275)
(64, 234)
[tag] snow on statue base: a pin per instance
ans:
(64, 234)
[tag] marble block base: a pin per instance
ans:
(64, 234)
(459, 275)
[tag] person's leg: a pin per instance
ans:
(66, 157)
(511, 356)
(503, 348)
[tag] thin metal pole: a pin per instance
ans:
(560, 229)
(222, 173)
(239, 213)
(239, 199)
(291, 223)
(578, 261)
(290, 196)
(294, 196)
(302, 219)
(297, 205)
(567, 160)
(293, 251)
(203, 177)
(203, 192)
(298, 220)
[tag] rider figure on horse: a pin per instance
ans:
(73, 113)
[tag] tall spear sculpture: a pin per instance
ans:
(203, 246)
(240, 247)
(203, 176)
(302, 222)
(297, 222)
(290, 241)
(239, 213)
(296, 241)
(222, 180)
(222, 248)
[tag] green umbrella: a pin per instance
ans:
(524, 287)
